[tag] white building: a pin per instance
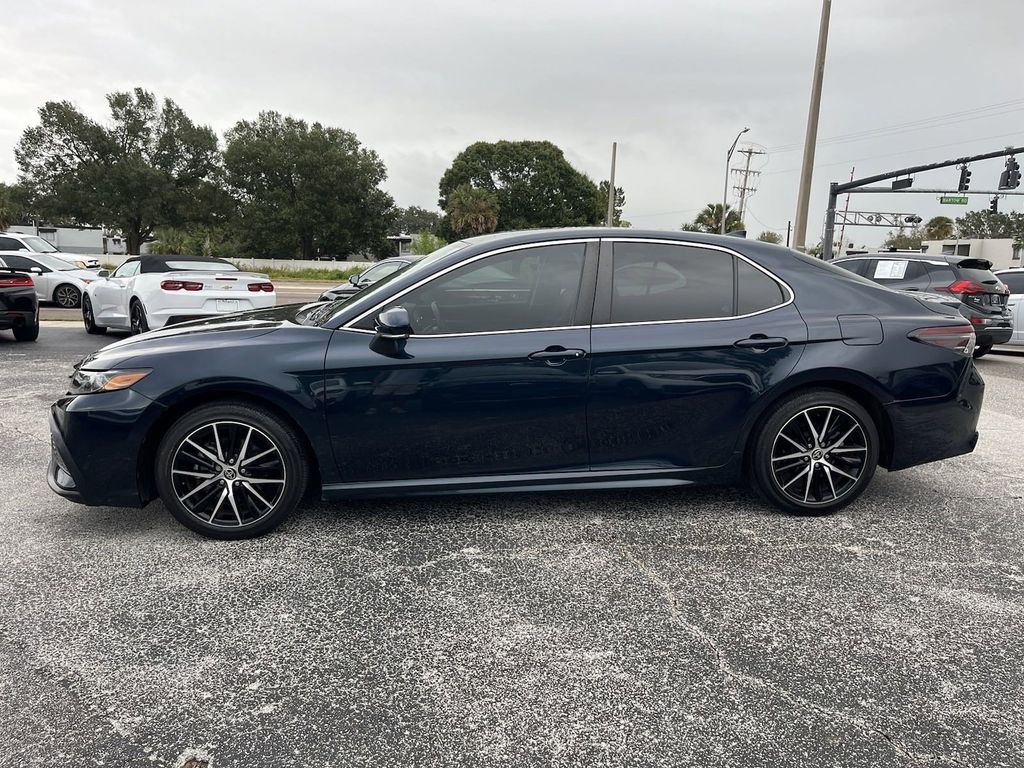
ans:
(1000, 251)
(75, 239)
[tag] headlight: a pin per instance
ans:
(87, 382)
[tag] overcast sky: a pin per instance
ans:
(671, 81)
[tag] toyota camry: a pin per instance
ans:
(528, 361)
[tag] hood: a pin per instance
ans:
(226, 330)
(81, 274)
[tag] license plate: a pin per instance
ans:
(227, 305)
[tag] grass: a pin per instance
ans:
(335, 275)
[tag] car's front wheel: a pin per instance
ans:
(89, 318)
(815, 453)
(231, 471)
(67, 296)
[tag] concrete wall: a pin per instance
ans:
(997, 250)
(262, 265)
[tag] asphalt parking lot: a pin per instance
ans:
(654, 628)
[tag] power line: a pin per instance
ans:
(923, 122)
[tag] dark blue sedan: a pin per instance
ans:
(525, 361)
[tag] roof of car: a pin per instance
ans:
(153, 263)
(934, 258)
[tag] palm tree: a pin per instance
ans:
(710, 219)
(472, 211)
(938, 228)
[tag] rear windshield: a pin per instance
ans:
(201, 266)
(983, 276)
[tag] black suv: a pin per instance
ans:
(982, 295)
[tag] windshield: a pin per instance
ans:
(39, 245)
(321, 314)
(52, 262)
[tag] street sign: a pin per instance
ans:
(953, 200)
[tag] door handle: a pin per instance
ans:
(558, 355)
(761, 343)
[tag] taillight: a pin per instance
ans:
(15, 280)
(964, 287)
(181, 285)
(265, 287)
(959, 338)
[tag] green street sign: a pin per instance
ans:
(953, 200)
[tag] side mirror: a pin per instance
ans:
(103, 273)
(353, 279)
(36, 270)
(394, 324)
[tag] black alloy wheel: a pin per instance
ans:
(231, 471)
(90, 319)
(815, 453)
(137, 314)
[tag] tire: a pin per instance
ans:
(779, 465)
(67, 296)
(137, 315)
(982, 350)
(224, 499)
(26, 332)
(89, 319)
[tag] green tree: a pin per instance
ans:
(534, 185)
(14, 208)
(426, 242)
(472, 211)
(213, 240)
(984, 224)
(150, 165)
(710, 219)
(303, 188)
(938, 228)
(602, 203)
(770, 237)
(415, 219)
(905, 239)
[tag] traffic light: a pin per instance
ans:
(993, 206)
(1010, 177)
(912, 219)
(965, 179)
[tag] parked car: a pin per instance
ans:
(55, 280)
(1013, 279)
(16, 241)
(19, 305)
(153, 291)
(368, 277)
(527, 361)
(981, 295)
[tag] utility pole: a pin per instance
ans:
(610, 218)
(725, 191)
(811, 138)
(745, 173)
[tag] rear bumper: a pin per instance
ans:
(936, 428)
(97, 445)
(989, 336)
(180, 314)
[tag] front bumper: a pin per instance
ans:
(98, 448)
(936, 428)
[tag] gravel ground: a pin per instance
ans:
(658, 628)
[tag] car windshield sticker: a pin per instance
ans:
(890, 270)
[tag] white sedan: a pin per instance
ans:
(149, 292)
(55, 279)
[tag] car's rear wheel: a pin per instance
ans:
(27, 332)
(815, 453)
(67, 296)
(137, 313)
(981, 350)
(231, 471)
(90, 319)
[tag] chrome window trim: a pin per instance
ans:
(710, 247)
(521, 246)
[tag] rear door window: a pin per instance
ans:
(654, 282)
(1013, 280)
(857, 266)
(755, 291)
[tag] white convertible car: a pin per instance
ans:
(154, 291)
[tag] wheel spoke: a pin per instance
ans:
(202, 450)
(191, 474)
(790, 456)
(846, 450)
(807, 488)
(837, 470)
(788, 467)
(234, 506)
(810, 426)
(216, 441)
(828, 474)
(262, 480)
(199, 487)
(216, 508)
(794, 442)
(824, 428)
(248, 486)
(794, 479)
(245, 446)
(842, 439)
(251, 459)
